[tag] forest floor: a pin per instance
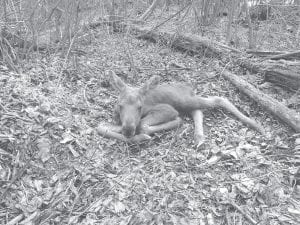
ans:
(62, 172)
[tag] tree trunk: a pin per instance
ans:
(188, 43)
(250, 33)
(230, 20)
(149, 11)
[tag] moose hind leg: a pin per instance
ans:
(159, 118)
(198, 123)
(219, 102)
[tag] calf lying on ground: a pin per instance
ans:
(154, 108)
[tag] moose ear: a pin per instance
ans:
(150, 84)
(116, 81)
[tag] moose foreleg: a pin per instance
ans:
(159, 118)
(115, 128)
(148, 129)
(110, 133)
(115, 133)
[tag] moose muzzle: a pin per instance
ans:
(128, 129)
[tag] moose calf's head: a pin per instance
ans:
(130, 102)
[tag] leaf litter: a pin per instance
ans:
(55, 169)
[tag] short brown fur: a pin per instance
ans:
(153, 108)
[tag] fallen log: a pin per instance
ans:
(277, 73)
(188, 43)
(283, 77)
(252, 67)
(274, 73)
(264, 53)
(275, 55)
(287, 56)
(288, 116)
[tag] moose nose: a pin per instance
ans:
(128, 131)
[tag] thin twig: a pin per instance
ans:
(84, 96)
(238, 208)
(15, 220)
(163, 22)
(19, 175)
(3, 108)
(18, 117)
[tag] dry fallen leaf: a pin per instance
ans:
(44, 146)
(119, 207)
(52, 120)
(67, 138)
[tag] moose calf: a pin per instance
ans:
(154, 108)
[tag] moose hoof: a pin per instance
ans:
(139, 138)
(199, 140)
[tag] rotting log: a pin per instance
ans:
(252, 67)
(274, 72)
(275, 55)
(289, 55)
(264, 53)
(288, 116)
(283, 77)
(188, 43)
(277, 73)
